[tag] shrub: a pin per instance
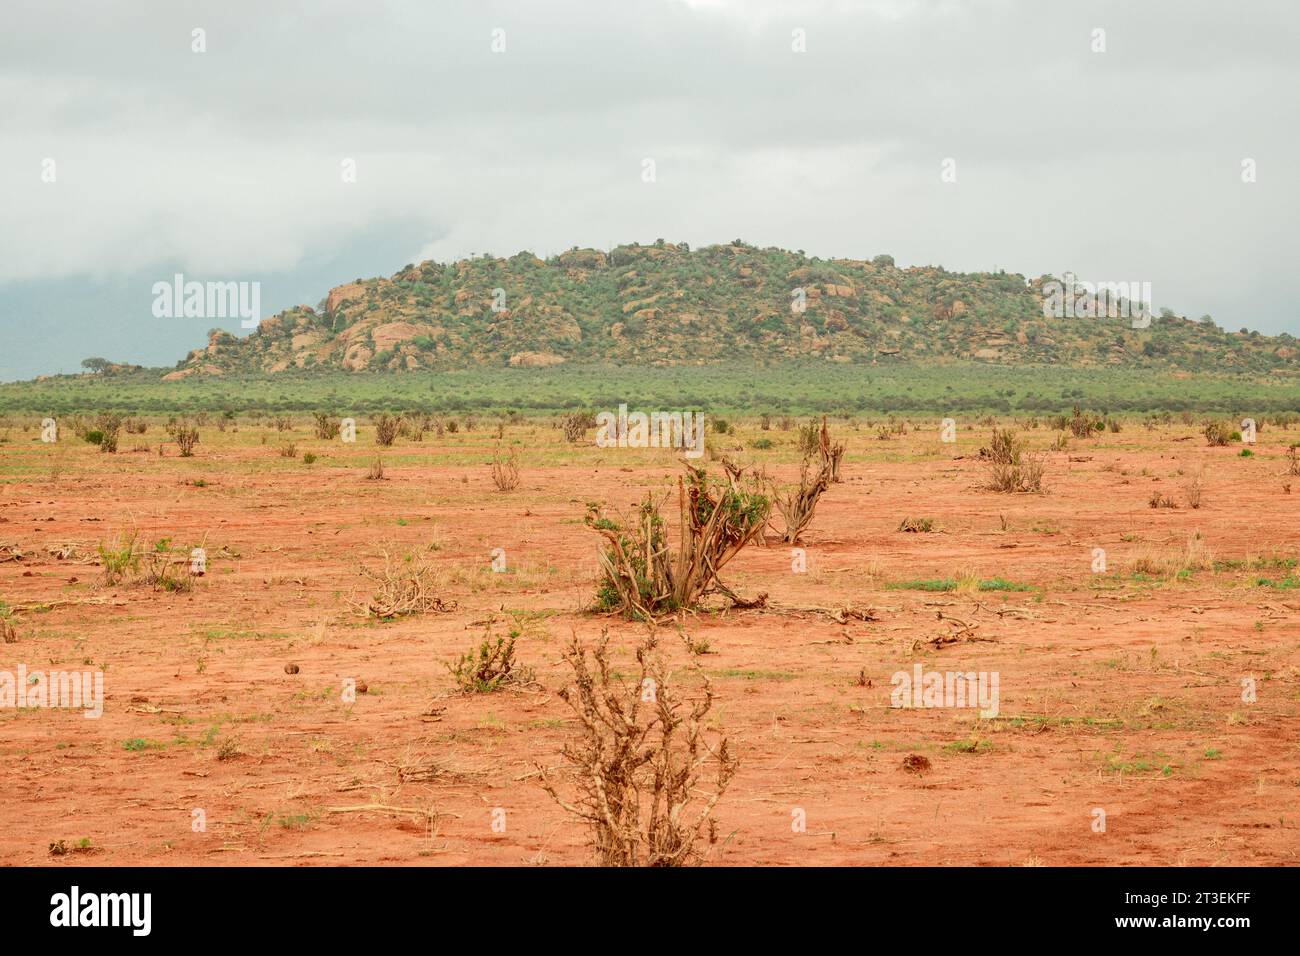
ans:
(1218, 434)
(505, 471)
(327, 426)
(637, 762)
(185, 435)
(1194, 488)
(1011, 468)
(108, 425)
(916, 525)
(491, 669)
(575, 425)
(798, 503)
(643, 577)
(1082, 425)
(386, 429)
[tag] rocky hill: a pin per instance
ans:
(665, 304)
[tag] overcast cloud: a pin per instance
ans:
(1122, 165)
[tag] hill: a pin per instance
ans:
(666, 304)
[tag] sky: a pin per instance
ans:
(302, 145)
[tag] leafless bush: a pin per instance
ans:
(1012, 469)
(406, 585)
(283, 423)
(575, 425)
(289, 450)
(638, 762)
(798, 503)
(642, 576)
(376, 471)
(386, 429)
(1194, 488)
(832, 453)
(505, 470)
(415, 425)
(1292, 460)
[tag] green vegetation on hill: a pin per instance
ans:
(668, 305)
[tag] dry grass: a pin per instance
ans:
(1170, 563)
(638, 762)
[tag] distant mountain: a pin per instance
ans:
(666, 304)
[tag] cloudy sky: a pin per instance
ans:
(227, 164)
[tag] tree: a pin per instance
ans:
(98, 365)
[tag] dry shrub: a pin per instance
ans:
(1011, 469)
(1082, 425)
(327, 426)
(916, 525)
(415, 425)
(165, 572)
(283, 423)
(184, 434)
(638, 762)
(643, 577)
(1194, 488)
(289, 450)
(1218, 434)
(797, 503)
(386, 429)
(1292, 460)
(575, 425)
(505, 471)
(1159, 500)
(8, 633)
(832, 453)
(405, 585)
(109, 426)
(376, 471)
